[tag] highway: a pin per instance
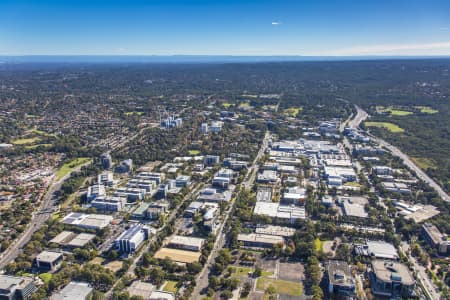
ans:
(202, 278)
(361, 115)
(422, 277)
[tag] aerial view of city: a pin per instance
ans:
(162, 150)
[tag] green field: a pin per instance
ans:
(244, 105)
(281, 286)
(45, 277)
(427, 110)
(42, 133)
(26, 141)
(318, 245)
(194, 152)
(70, 166)
(30, 147)
(243, 271)
(389, 126)
(226, 104)
(393, 111)
(293, 111)
(171, 287)
(129, 113)
(424, 162)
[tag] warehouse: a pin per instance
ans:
(185, 243)
(257, 240)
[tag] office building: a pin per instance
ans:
(204, 128)
(106, 179)
(95, 191)
(109, 203)
(340, 279)
(106, 161)
(391, 279)
(125, 166)
(211, 160)
(88, 221)
(183, 181)
(49, 260)
(431, 234)
(16, 288)
(130, 240)
(258, 240)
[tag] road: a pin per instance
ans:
(202, 281)
(361, 115)
(38, 218)
(422, 276)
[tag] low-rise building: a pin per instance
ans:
(193, 208)
(391, 279)
(132, 194)
(74, 291)
(294, 195)
(185, 243)
(183, 181)
(109, 203)
(12, 287)
(49, 260)
(211, 160)
(267, 176)
(431, 234)
(125, 166)
(106, 179)
(88, 221)
(340, 279)
(258, 240)
(354, 206)
(377, 249)
(141, 289)
(95, 191)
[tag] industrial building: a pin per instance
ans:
(74, 291)
(12, 287)
(275, 230)
(72, 239)
(340, 279)
(353, 206)
(294, 195)
(185, 243)
(130, 240)
(377, 249)
(391, 279)
(258, 240)
(91, 221)
(289, 213)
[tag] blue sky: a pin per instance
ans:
(259, 27)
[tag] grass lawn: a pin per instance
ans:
(129, 113)
(26, 141)
(171, 287)
(45, 277)
(427, 110)
(37, 145)
(70, 166)
(194, 152)
(424, 163)
(43, 133)
(244, 105)
(293, 111)
(393, 111)
(386, 125)
(226, 104)
(352, 183)
(281, 286)
(401, 113)
(318, 244)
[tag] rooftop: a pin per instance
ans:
(73, 291)
(140, 288)
(48, 256)
(389, 271)
(8, 282)
(339, 273)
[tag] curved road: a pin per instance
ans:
(361, 115)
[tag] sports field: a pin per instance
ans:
(178, 255)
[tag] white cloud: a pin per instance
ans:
(276, 23)
(441, 48)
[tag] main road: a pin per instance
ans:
(38, 218)
(202, 278)
(361, 115)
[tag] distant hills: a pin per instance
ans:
(192, 58)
